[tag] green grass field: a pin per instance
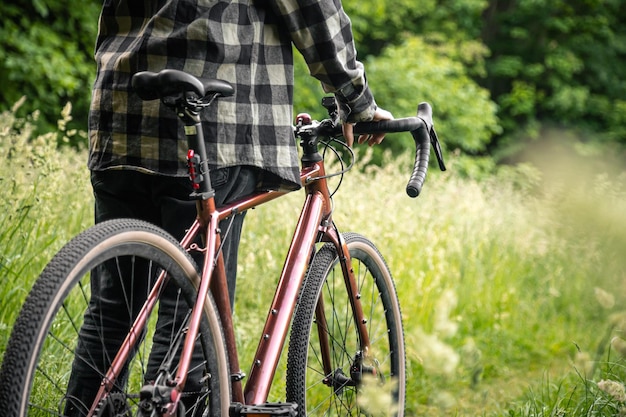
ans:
(512, 287)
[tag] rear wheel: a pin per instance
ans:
(43, 350)
(356, 380)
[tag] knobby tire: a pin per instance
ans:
(378, 386)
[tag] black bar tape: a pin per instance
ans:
(420, 166)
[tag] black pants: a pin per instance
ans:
(163, 201)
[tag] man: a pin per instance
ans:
(137, 159)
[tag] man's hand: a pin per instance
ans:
(374, 139)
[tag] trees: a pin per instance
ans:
(419, 69)
(46, 56)
(558, 62)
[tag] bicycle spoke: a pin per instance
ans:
(336, 394)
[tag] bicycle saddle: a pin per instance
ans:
(169, 82)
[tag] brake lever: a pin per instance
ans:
(434, 140)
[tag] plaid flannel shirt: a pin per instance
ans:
(246, 42)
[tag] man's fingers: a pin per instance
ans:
(371, 139)
(348, 133)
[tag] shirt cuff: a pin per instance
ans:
(355, 103)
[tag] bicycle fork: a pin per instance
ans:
(338, 378)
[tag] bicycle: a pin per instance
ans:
(335, 296)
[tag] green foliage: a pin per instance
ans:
(385, 23)
(548, 61)
(457, 19)
(542, 62)
(425, 70)
(558, 61)
(308, 91)
(378, 24)
(46, 55)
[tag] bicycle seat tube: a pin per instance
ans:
(199, 172)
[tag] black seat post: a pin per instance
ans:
(196, 155)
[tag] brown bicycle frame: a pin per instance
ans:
(314, 225)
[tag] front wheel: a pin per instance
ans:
(95, 286)
(330, 372)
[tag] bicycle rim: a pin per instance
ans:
(358, 381)
(43, 349)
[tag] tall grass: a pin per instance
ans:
(45, 201)
(512, 287)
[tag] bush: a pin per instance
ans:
(425, 70)
(47, 55)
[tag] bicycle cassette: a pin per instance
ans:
(114, 405)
